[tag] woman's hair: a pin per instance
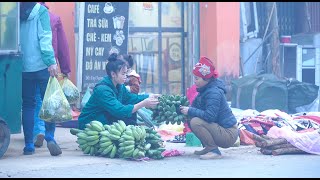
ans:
(115, 64)
(25, 9)
(129, 60)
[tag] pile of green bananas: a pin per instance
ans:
(118, 140)
(155, 140)
(89, 138)
(168, 109)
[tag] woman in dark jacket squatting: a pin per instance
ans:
(211, 118)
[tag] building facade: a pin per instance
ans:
(167, 39)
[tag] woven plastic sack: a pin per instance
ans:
(55, 106)
(70, 91)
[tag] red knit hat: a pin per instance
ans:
(205, 69)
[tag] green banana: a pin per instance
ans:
(104, 133)
(139, 131)
(88, 126)
(113, 152)
(91, 143)
(121, 150)
(82, 135)
(97, 127)
(118, 127)
(100, 150)
(92, 138)
(92, 133)
(112, 126)
(113, 137)
(75, 131)
(87, 129)
(83, 146)
(87, 150)
(105, 144)
(135, 153)
(141, 154)
(91, 151)
(115, 132)
(127, 143)
(96, 122)
(121, 139)
(104, 139)
(81, 141)
(106, 126)
(122, 124)
(128, 138)
(127, 148)
(128, 153)
(143, 132)
(136, 135)
(121, 144)
(107, 150)
(147, 146)
(129, 133)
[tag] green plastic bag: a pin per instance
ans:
(70, 91)
(55, 106)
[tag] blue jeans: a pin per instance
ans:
(39, 125)
(29, 82)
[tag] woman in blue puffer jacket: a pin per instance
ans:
(211, 118)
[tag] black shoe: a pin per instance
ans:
(203, 151)
(39, 141)
(28, 151)
(54, 148)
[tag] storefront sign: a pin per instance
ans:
(105, 31)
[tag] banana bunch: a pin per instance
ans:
(155, 140)
(168, 109)
(89, 138)
(108, 145)
(132, 143)
(155, 153)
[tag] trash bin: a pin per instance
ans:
(10, 73)
(11, 98)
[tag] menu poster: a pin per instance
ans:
(105, 32)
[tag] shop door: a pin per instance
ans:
(157, 42)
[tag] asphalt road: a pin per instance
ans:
(243, 161)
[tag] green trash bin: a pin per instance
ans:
(10, 98)
(10, 73)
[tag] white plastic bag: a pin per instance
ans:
(55, 106)
(70, 91)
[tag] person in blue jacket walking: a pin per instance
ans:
(39, 64)
(62, 55)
